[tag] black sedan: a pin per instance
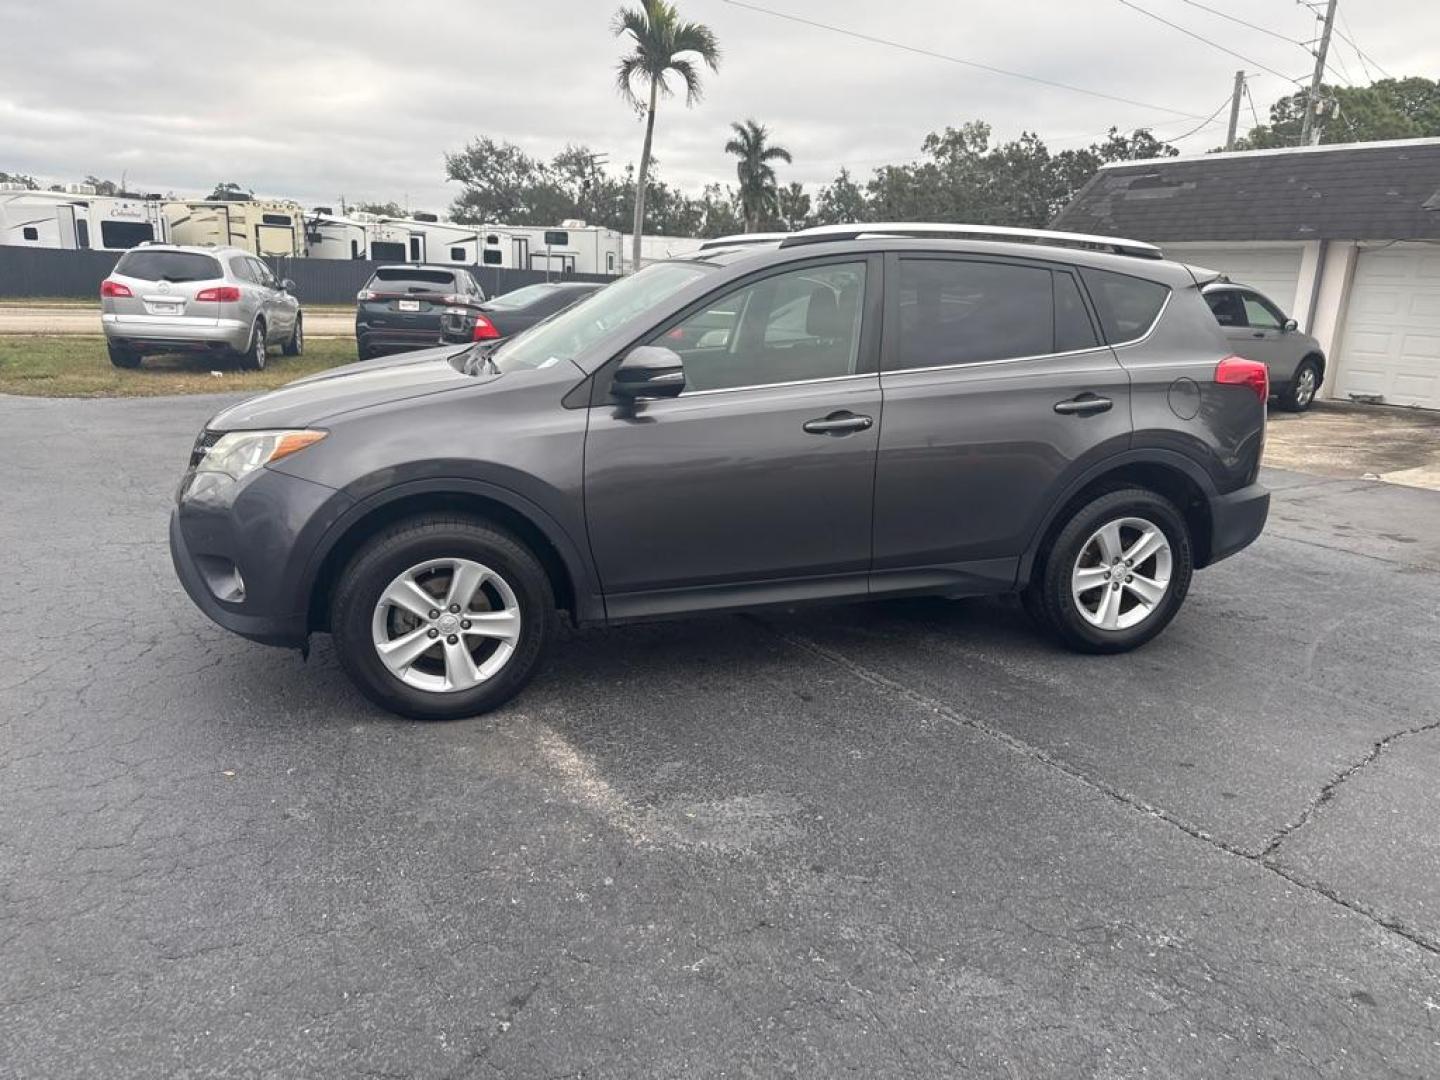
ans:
(402, 307)
(512, 312)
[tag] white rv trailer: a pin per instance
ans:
(79, 219)
(331, 236)
(659, 248)
(259, 226)
(572, 248)
(424, 238)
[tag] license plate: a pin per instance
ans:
(165, 309)
(409, 305)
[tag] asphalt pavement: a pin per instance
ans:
(902, 839)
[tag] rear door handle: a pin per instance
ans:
(1084, 405)
(838, 423)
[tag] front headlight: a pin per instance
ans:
(237, 453)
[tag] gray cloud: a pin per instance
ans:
(362, 99)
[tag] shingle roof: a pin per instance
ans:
(1374, 191)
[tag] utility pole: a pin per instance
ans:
(1308, 134)
(1235, 110)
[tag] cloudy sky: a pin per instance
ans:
(317, 99)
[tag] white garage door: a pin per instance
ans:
(1275, 271)
(1391, 345)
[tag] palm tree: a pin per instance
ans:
(758, 197)
(662, 45)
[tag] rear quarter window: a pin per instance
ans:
(168, 266)
(1127, 306)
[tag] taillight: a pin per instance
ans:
(1237, 371)
(220, 294)
(484, 329)
(365, 294)
(114, 288)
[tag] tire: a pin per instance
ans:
(253, 358)
(122, 357)
(1076, 555)
(1300, 394)
(426, 552)
(362, 353)
(295, 346)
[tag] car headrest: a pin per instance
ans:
(822, 318)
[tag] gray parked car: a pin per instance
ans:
(851, 413)
(163, 298)
(1258, 330)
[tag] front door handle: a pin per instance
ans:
(1258, 334)
(1084, 405)
(838, 423)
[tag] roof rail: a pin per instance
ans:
(743, 240)
(998, 233)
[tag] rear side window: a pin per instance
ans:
(1227, 307)
(1127, 306)
(954, 311)
(405, 279)
(240, 267)
(1073, 329)
(168, 266)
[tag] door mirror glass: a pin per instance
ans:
(1290, 326)
(288, 285)
(649, 371)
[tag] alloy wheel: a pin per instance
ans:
(1122, 573)
(446, 625)
(1305, 386)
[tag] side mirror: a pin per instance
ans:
(288, 284)
(1290, 326)
(649, 371)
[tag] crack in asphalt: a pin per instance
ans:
(1263, 858)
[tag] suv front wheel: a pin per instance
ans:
(439, 618)
(1115, 574)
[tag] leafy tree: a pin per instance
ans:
(661, 45)
(794, 205)
(758, 196)
(379, 209)
(231, 192)
(841, 202)
(28, 182)
(102, 187)
(1388, 109)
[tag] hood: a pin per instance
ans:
(343, 389)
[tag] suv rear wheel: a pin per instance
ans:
(122, 357)
(1115, 574)
(439, 618)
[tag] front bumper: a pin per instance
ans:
(240, 549)
(1236, 520)
(176, 331)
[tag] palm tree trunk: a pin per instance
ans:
(641, 181)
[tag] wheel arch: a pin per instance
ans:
(1176, 477)
(569, 575)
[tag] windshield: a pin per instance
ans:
(520, 297)
(568, 334)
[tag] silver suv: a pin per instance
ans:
(164, 298)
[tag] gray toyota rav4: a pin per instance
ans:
(850, 412)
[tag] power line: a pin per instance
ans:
(958, 60)
(1197, 37)
(1251, 100)
(1242, 22)
(1359, 51)
(1207, 122)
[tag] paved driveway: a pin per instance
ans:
(907, 839)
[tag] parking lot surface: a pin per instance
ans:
(903, 839)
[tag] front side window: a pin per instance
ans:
(954, 311)
(1262, 314)
(791, 327)
(260, 273)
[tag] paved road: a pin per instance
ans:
(900, 840)
(66, 321)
